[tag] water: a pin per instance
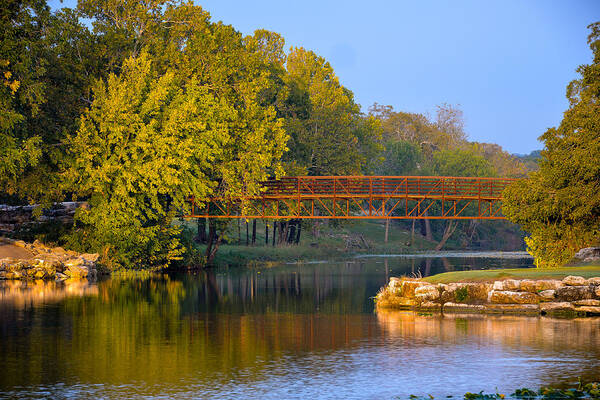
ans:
(291, 331)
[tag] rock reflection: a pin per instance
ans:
(22, 294)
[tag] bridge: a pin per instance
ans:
(363, 197)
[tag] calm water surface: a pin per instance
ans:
(292, 331)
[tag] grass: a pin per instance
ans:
(332, 243)
(587, 271)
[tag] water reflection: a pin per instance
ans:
(292, 331)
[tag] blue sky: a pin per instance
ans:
(506, 63)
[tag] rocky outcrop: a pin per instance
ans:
(48, 263)
(573, 295)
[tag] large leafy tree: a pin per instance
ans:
(328, 133)
(559, 205)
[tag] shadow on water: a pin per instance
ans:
(292, 331)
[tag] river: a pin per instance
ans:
(276, 332)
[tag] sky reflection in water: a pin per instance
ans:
(295, 331)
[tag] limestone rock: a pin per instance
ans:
(597, 291)
(469, 292)
(60, 276)
(528, 285)
(573, 293)
(430, 306)
(450, 307)
(556, 307)
(427, 293)
(76, 271)
(547, 295)
(574, 280)
(74, 262)
(510, 297)
(407, 288)
(498, 285)
(513, 308)
(594, 281)
(588, 302)
(588, 310)
(547, 284)
(511, 284)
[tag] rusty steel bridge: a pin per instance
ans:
(363, 197)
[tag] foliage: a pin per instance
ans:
(559, 205)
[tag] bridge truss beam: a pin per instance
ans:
(363, 197)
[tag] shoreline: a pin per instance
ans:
(573, 296)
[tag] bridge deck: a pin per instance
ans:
(364, 197)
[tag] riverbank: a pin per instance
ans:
(572, 295)
(35, 261)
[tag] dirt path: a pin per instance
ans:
(9, 250)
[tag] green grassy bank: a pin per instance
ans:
(587, 271)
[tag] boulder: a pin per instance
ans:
(597, 291)
(556, 307)
(588, 254)
(547, 295)
(407, 288)
(574, 280)
(60, 276)
(590, 310)
(467, 292)
(511, 284)
(594, 281)
(74, 262)
(427, 293)
(587, 302)
(76, 271)
(510, 297)
(528, 285)
(498, 285)
(459, 307)
(547, 284)
(430, 306)
(513, 308)
(573, 293)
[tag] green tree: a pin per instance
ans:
(147, 143)
(559, 205)
(328, 133)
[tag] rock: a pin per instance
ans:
(588, 310)
(3, 274)
(468, 292)
(20, 243)
(74, 262)
(498, 285)
(597, 291)
(459, 307)
(511, 284)
(547, 295)
(573, 293)
(430, 306)
(513, 308)
(407, 288)
(76, 271)
(556, 307)
(547, 284)
(588, 254)
(427, 293)
(60, 276)
(532, 286)
(39, 273)
(510, 297)
(574, 280)
(594, 281)
(587, 302)
(90, 257)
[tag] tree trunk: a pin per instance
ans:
(247, 235)
(387, 230)
(239, 231)
(292, 235)
(253, 232)
(298, 232)
(426, 228)
(212, 245)
(201, 238)
(274, 231)
(266, 233)
(450, 228)
(412, 235)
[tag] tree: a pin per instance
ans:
(328, 133)
(559, 205)
(147, 143)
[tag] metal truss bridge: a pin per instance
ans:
(363, 197)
